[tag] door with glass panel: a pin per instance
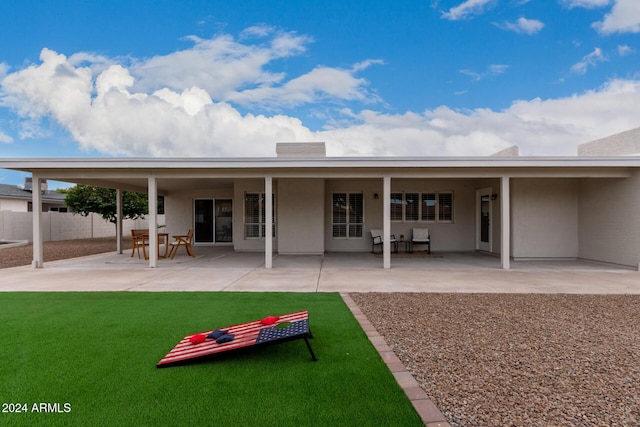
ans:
(213, 220)
(483, 220)
(223, 221)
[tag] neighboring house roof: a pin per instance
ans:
(15, 192)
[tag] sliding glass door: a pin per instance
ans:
(213, 220)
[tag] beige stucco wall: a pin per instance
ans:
(301, 216)
(178, 208)
(456, 236)
(372, 213)
(241, 187)
(609, 218)
(544, 218)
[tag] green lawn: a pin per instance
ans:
(94, 355)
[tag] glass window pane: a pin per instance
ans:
(428, 207)
(251, 231)
(339, 230)
(396, 206)
(445, 207)
(356, 213)
(251, 208)
(411, 208)
(339, 208)
(347, 215)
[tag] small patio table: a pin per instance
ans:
(164, 237)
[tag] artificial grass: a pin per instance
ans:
(94, 355)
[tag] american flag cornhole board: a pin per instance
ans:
(246, 335)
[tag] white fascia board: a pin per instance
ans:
(146, 164)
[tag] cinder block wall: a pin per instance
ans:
(63, 226)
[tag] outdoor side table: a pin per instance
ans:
(408, 246)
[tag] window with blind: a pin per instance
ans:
(255, 215)
(347, 215)
(428, 207)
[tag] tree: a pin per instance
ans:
(85, 199)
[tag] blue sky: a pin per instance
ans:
(232, 78)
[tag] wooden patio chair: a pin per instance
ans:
(270, 330)
(185, 240)
(139, 239)
(376, 235)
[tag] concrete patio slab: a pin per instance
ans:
(221, 269)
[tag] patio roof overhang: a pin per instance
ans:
(175, 174)
(164, 175)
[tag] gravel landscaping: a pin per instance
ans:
(53, 251)
(518, 360)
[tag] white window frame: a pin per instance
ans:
(347, 224)
(421, 203)
(261, 216)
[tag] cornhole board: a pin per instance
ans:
(248, 334)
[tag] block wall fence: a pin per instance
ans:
(63, 226)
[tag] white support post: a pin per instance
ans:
(386, 222)
(268, 220)
(505, 213)
(118, 221)
(153, 221)
(36, 206)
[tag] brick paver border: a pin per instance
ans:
(430, 414)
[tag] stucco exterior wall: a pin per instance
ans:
(458, 235)
(372, 213)
(241, 187)
(609, 219)
(179, 208)
(544, 218)
(301, 216)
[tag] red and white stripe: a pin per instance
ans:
(245, 336)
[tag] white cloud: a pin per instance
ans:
(468, 9)
(5, 139)
(589, 4)
(322, 83)
(118, 120)
(219, 65)
(589, 60)
(625, 50)
(107, 111)
(523, 26)
(4, 69)
(623, 18)
(539, 127)
(257, 31)
(491, 71)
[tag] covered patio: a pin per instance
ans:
(513, 208)
(222, 269)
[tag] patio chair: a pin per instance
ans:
(270, 330)
(139, 240)
(421, 236)
(185, 241)
(376, 235)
